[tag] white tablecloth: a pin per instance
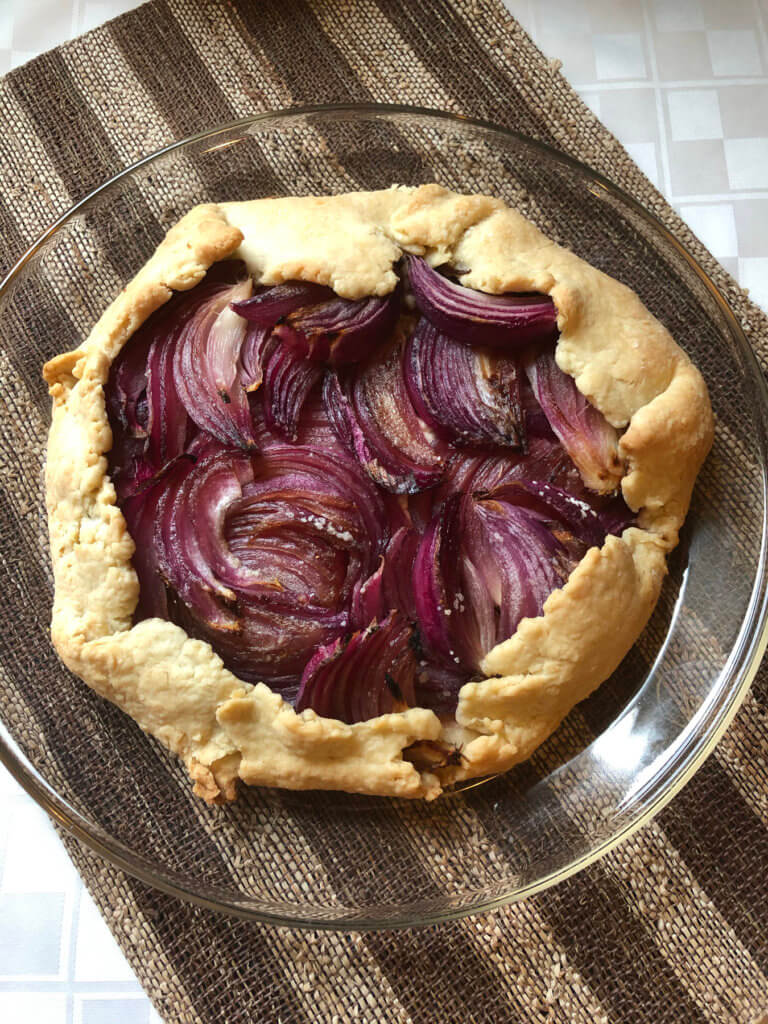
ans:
(684, 85)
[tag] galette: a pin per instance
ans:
(364, 492)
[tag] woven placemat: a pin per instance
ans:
(671, 927)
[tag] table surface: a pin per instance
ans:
(684, 85)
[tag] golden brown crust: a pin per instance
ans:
(215, 784)
(177, 688)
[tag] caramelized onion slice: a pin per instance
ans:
(510, 322)
(341, 331)
(391, 586)
(584, 432)
(373, 415)
(207, 369)
(453, 604)
(467, 395)
(288, 380)
(271, 304)
(486, 561)
(368, 675)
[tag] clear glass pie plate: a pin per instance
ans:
(331, 859)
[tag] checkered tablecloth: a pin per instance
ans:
(684, 85)
(58, 961)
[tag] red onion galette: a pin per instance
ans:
(363, 492)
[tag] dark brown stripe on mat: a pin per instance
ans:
(726, 851)
(75, 141)
(183, 89)
(440, 974)
(614, 952)
(454, 56)
(83, 156)
(188, 96)
(293, 28)
(14, 244)
(400, 958)
(360, 881)
(33, 324)
(235, 978)
(285, 30)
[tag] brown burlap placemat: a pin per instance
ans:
(671, 927)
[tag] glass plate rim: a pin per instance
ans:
(691, 750)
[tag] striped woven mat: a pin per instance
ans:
(670, 928)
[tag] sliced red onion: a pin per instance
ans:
(437, 686)
(510, 322)
(168, 422)
(391, 586)
(263, 552)
(288, 380)
(421, 506)
(348, 493)
(150, 424)
(269, 536)
(272, 644)
(258, 343)
(316, 527)
(372, 414)
(186, 529)
(485, 563)
(585, 433)
(484, 469)
(126, 391)
(320, 324)
(371, 674)
(126, 401)
(140, 511)
(370, 515)
(615, 515)
(313, 526)
(340, 331)
(556, 504)
(518, 558)
(129, 468)
(314, 428)
(455, 612)
(467, 395)
(206, 363)
(536, 423)
(295, 543)
(269, 305)
(141, 393)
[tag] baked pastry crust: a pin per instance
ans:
(177, 688)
